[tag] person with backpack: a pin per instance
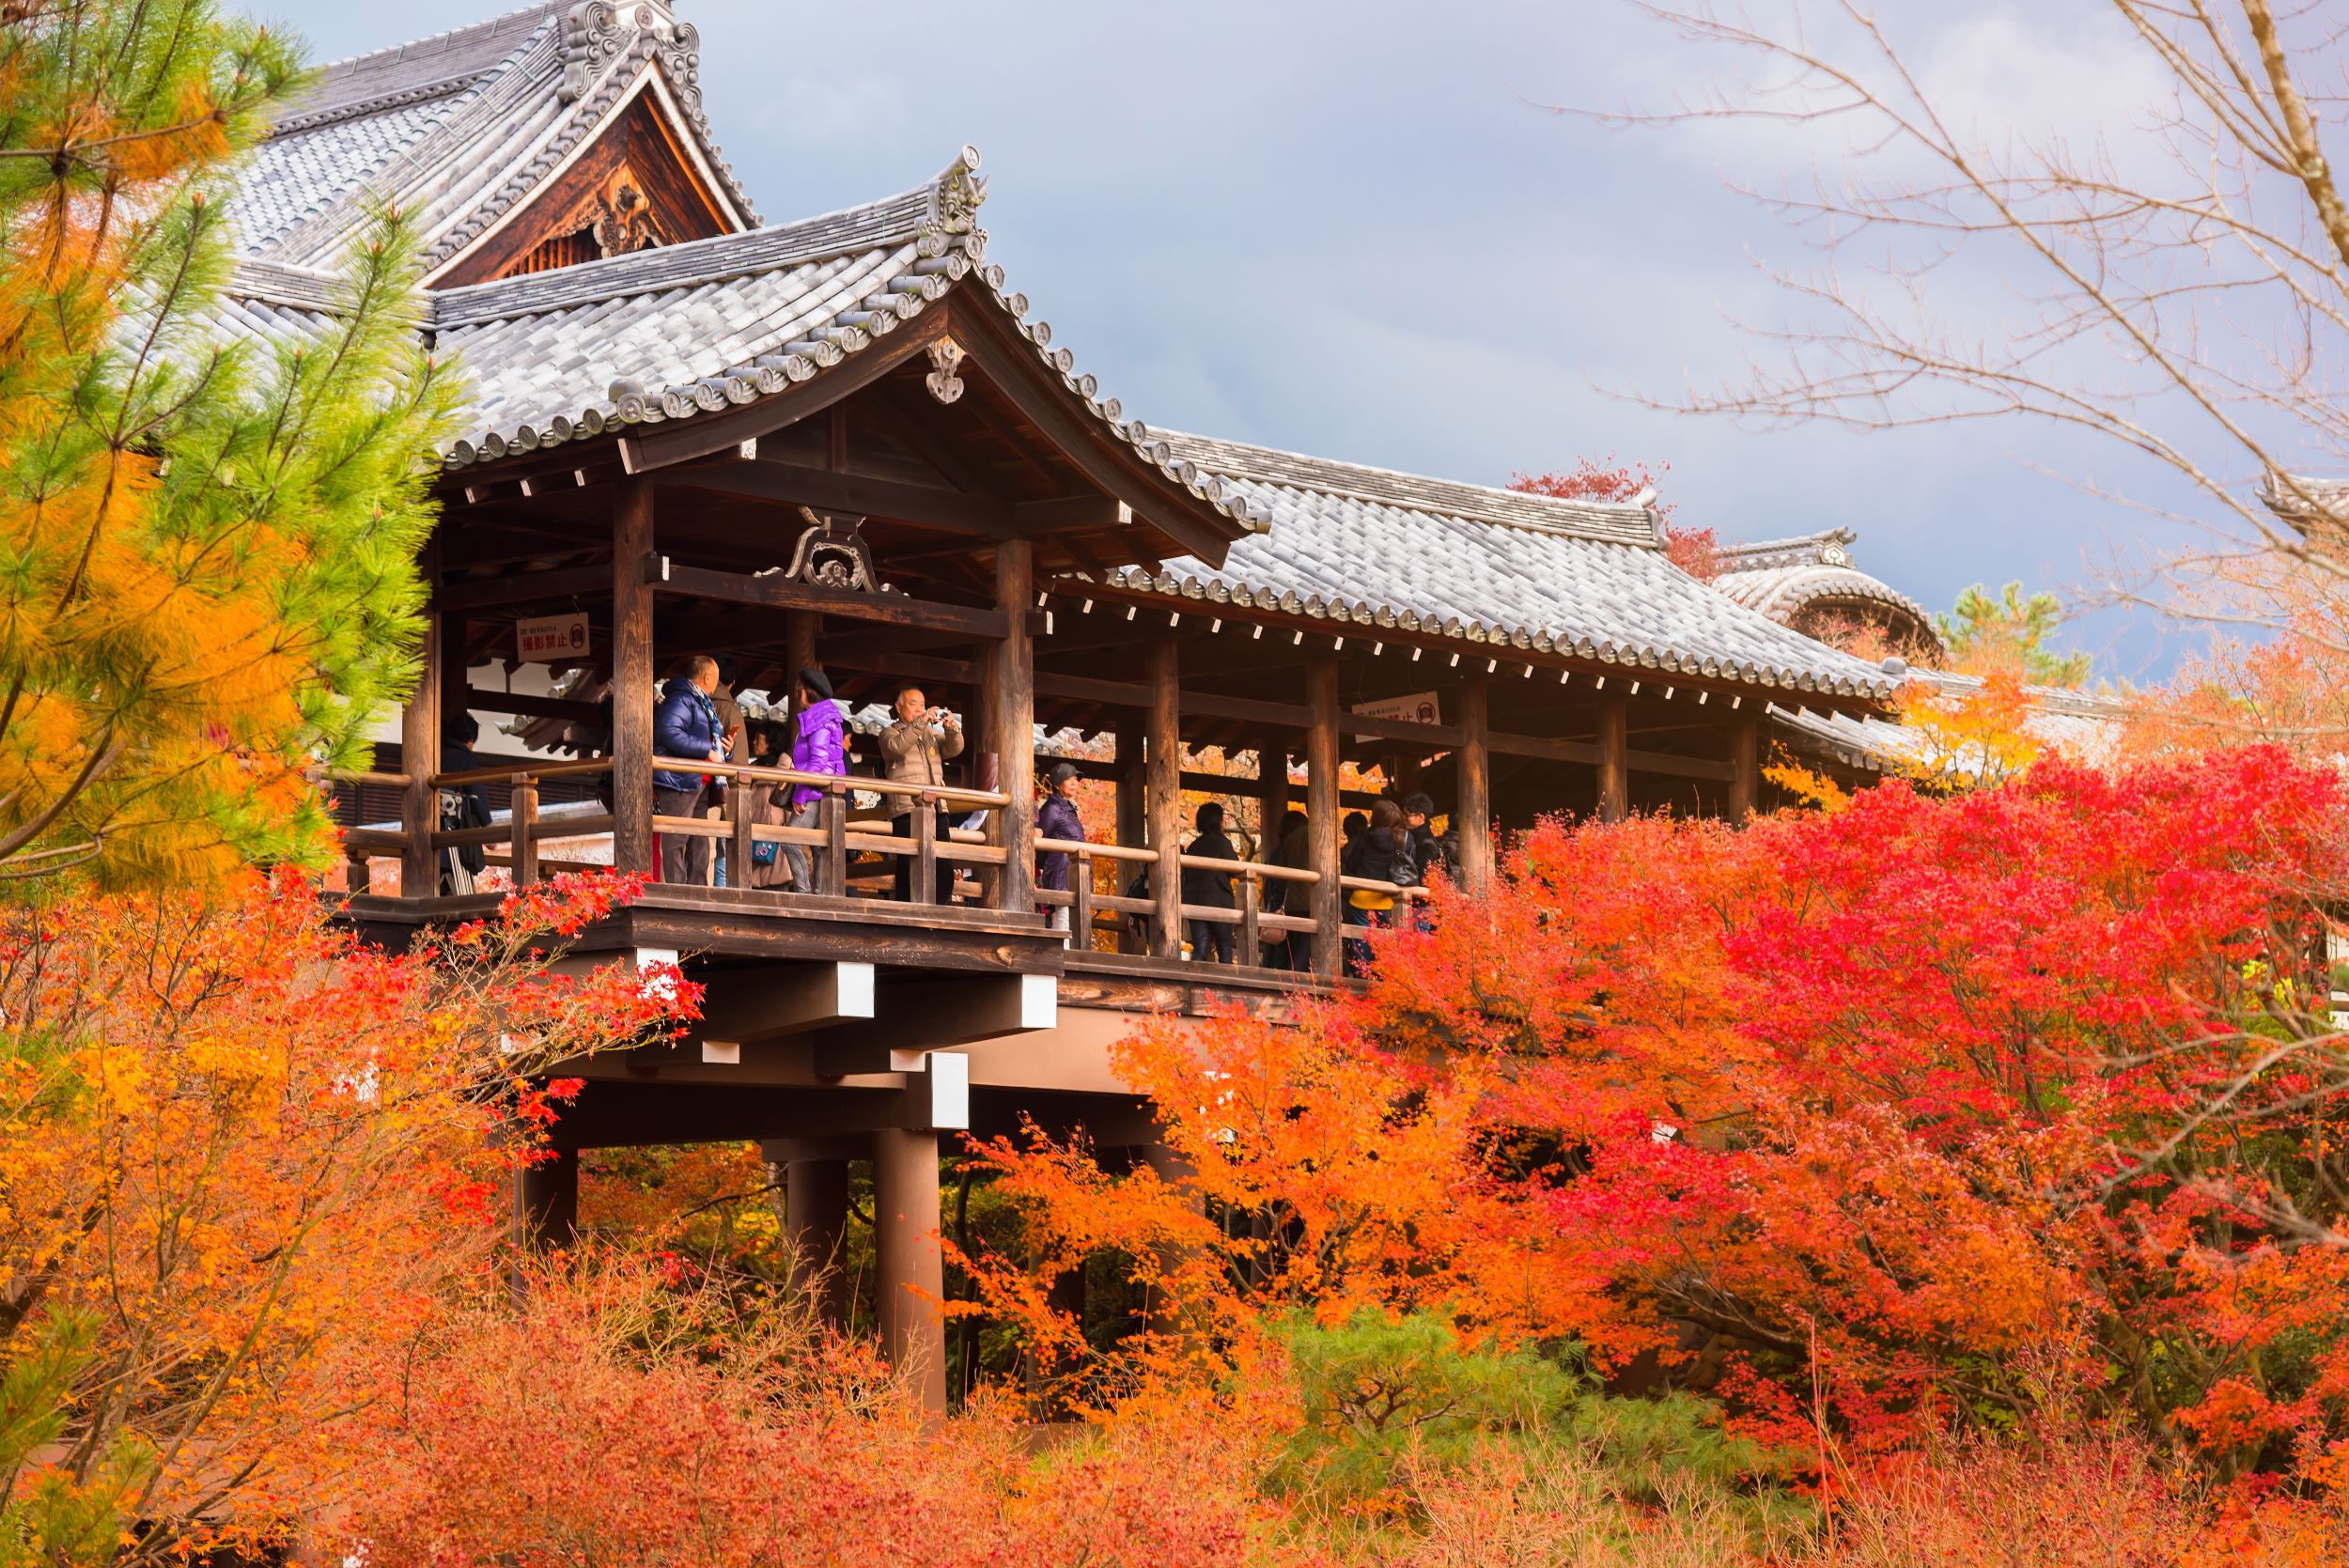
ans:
(1380, 853)
(462, 806)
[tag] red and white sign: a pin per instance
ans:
(1417, 707)
(548, 638)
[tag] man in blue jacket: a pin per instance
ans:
(684, 725)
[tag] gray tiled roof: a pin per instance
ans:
(668, 333)
(1780, 577)
(1372, 549)
(461, 128)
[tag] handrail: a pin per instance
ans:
(833, 783)
(357, 776)
(534, 770)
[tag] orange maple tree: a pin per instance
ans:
(241, 1154)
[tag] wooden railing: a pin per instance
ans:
(841, 833)
(835, 834)
(1085, 905)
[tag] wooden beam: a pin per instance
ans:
(1015, 723)
(1615, 794)
(1321, 813)
(632, 678)
(523, 702)
(1166, 796)
(923, 505)
(1071, 513)
(670, 576)
(1473, 814)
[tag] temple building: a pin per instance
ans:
(848, 443)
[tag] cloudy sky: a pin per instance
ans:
(1354, 227)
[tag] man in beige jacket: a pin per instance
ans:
(915, 751)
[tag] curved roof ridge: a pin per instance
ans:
(1748, 553)
(1617, 521)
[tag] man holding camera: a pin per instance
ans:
(915, 751)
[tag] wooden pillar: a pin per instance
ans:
(1321, 813)
(799, 628)
(420, 748)
(1272, 794)
(1166, 796)
(1745, 768)
(1133, 789)
(1473, 810)
(546, 1201)
(631, 679)
(911, 1270)
(1614, 769)
(815, 1218)
(1015, 724)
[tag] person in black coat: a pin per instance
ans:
(461, 806)
(1211, 889)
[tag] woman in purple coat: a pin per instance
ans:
(818, 745)
(1057, 818)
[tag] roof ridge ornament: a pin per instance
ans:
(593, 37)
(947, 357)
(955, 194)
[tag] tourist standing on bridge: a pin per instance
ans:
(1057, 818)
(724, 703)
(685, 729)
(1382, 853)
(818, 745)
(915, 751)
(1289, 950)
(1211, 889)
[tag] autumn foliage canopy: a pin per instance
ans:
(1908, 1114)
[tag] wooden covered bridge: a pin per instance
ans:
(848, 442)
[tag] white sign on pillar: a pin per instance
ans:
(1417, 707)
(544, 638)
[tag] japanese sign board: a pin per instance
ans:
(546, 638)
(1419, 707)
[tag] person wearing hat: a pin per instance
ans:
(1057, 818)
(818, 745)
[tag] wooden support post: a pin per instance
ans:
(1745, 768)
(911, 1270)
(1166, 798)
(631, 679)
(546, 1201)
(799, 628)
(1321, 813)
(420, 752)
(1472, 810)
(738, 819)
(1133, 789)
(1015, 725)
(1272, 794)
(523, 828)
(833, 815)
(1614, 760)
(1251, 935)
(924, 822)
(1081, 902)
(815, 1218)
